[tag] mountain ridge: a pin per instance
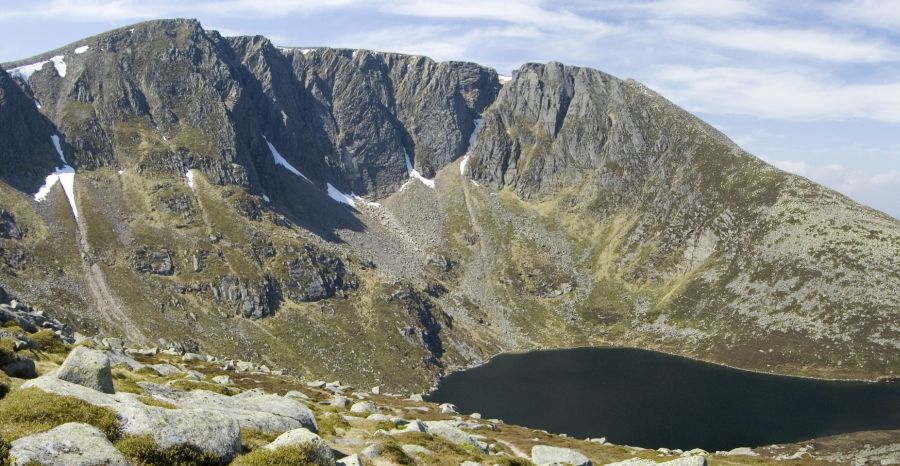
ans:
(588, 210)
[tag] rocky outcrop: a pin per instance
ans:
(71, 444)
(313, 276)
(89, 368)
(249, 300)
(27, 154)
(431, 320)
(158, 262)
(8, 227)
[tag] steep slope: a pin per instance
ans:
(218, 186)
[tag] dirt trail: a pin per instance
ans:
(108, 304)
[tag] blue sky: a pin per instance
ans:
(812, 87)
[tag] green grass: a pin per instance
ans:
(141, 450)
(48, 342)
(284, 456)
(26, 412)
(195, 385)
(252, 439)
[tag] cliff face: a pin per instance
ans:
(218, 188)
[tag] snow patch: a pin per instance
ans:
(349, 199)
(60, 65)
(190, 178)
(475, 132)
(121, 172)
(24, 72)
(82, 49)
(462, 165)
(37, 104)
(266, 198)
(504, 79)
(279, 160)
(65, 175)
(413, 173)
(355, 52)
(472, 137)
(55, 140)
(335, 194)
(306, 51)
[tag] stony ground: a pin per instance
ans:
(97, 402)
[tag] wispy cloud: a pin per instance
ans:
(876, 13)
(704, 9)
(786, 93)
(806, 43)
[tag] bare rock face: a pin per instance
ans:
(155, 262)
(8, 226)
(313, 276)
(27, 153)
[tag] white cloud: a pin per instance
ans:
(877, 13)
(805, 43)
(704, 8)
(879, 190)
(780, 93)
(526, 12)
(129, 10)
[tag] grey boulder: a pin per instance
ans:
(206, 430)
(89, 368)
(320, 452)
(450, 431)
(364, 407)
(543, 454)
(688, 461)
(71, 444)
(251, 409)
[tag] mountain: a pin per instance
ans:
(384, 218)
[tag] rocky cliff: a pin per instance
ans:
(413, 217)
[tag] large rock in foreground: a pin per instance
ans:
(89, 368)
(319, 452)
(71, 444)
(251, 409)
(205, 430)
(546, 455)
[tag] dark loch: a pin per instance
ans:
(650, 399)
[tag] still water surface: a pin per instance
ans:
(650, 399)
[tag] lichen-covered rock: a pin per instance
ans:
(320, 452)
(71, 444)
(89, 368)
(547, 455)
(450, 431)
(688, 461)
(207, 430)
(251, 409)
(364, 407)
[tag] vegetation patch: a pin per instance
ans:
(141, 450)
(284, 456)
(29, 411)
